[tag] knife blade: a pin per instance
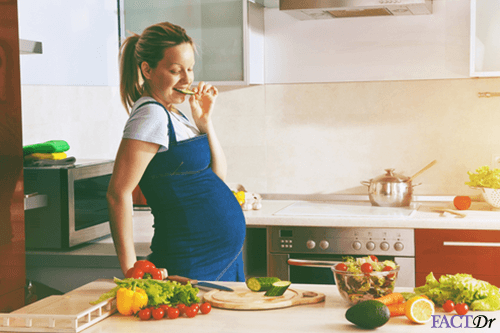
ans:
(196, 283)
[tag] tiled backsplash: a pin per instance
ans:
(307, 138)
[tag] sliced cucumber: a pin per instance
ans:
(185, 91)
(278, 288)
(261, 283)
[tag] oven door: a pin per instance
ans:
(316, 269)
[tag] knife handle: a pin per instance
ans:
(181, 279)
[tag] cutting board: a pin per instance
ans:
(62, 313)
(245, 299)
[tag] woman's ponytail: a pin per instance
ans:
(130, 86)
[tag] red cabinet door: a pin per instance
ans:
(443, 251)
(12, 252)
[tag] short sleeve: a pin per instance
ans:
(148, 123)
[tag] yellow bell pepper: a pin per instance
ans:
(240, 196)
(130, 300)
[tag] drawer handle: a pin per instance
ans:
(483, 244)
(312, 263)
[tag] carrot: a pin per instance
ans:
(397, 309)
(392, 298)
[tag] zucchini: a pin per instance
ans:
(278, 288)
(261, 283)
(185, 91)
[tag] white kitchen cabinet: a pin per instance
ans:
(80, 42)
(484, 38)
(229, 34)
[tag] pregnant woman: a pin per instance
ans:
(199, 227)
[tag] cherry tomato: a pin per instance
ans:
(145, 314)
(144, 265)
(374, 258)
(205, 308)
(195, 307)
(155, 273)
(190, 312)
(386, 269)
(449, 306)
(165, 307)
(367, 267)
(158, 313)
(461, 308)
(341, 267)
(173, 313)
(182, 308)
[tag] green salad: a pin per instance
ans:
(484, 177)
(461, 288)
(360, 279)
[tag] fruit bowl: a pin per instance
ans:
(358, 287)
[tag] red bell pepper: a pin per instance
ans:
(144, 269)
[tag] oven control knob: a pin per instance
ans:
(384, 246)
(311, 244)
(324, 244)
(357, 245)
(370, 246)
(398, 246)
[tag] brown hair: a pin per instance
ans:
(148, 47)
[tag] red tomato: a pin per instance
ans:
(449, 306)
(137, 273)
(367, 267)
(173, 313)
(205, 308)
(155, 273)
(145, 314)
(182, 308)
(144, 265)
(341, 267)
(386, 269)
(461, 308)
(374, 258)
(190, 312)
(195, 307)
(158, 313)
(165, 307)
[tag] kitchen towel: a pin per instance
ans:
(53, 146)
(46, 156)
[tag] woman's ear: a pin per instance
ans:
(146, 70)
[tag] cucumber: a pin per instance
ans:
(261, 283)
(278, 288)
(185, 91)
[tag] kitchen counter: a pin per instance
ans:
(480, 216)
(328, 316)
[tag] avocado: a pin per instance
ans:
(368, 314)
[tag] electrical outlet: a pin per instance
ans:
(495, 161)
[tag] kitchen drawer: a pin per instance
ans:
(12, 301)
(475, 252)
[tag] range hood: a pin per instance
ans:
(330, 9)
(29, 47)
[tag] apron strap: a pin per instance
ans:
(171, 132)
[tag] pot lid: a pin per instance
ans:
(390, 177)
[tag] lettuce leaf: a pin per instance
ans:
(461, 288)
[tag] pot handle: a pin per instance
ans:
(366, 183)
(416, 184)
(312, 263)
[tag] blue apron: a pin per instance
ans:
(199, 225)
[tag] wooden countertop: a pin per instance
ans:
(328, 316)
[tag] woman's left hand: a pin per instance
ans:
(202, 104)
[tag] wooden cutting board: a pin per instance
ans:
(245, 299)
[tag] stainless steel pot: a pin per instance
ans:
(390, 190)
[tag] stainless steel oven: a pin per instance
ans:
(305, 254)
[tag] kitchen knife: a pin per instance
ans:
(196, 283)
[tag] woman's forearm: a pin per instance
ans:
(219, 164)
(120, 221)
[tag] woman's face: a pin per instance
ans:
(175, 70)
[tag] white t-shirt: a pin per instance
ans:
(150, 123)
